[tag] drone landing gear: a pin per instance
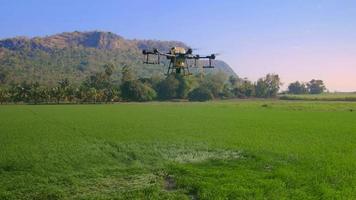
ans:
(178, 70)
(209, 66)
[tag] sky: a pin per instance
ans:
(297, 39)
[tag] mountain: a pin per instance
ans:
(75, 55)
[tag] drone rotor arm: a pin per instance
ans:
(198, 57)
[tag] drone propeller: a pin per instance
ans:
(217, 54)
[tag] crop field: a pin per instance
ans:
(339, 96)
(215, 150)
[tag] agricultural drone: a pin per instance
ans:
(180, 60)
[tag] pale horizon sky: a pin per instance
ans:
(297, 39)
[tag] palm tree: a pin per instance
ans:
(4, 95)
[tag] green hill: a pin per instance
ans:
(74, 55)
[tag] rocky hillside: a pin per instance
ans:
(74, 55)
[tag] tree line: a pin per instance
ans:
(312, 87)
(99, 87)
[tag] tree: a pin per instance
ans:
(100, 80)
(127, 74)
(56, 94)
(183, 86)
(200, 94)
(268, 86)
(99, 87)
(35, 94)
(109, 69)
(4, 95)
(46, 94)
(80, 93)
(241, 88)
(63, 84)
(174, 86)
(167, 88)
(69, 93)
(297, 88)
(63, 90)
(92, 95)
(215, 83)
(111, 94)
(96, 80)
(316, 86)
(261, 88)
(244, 88)
(20, 92)
(226, 92)
(135, 90)
(155, 79)
(2, 78)
(233, 80)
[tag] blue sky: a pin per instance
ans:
(298, 39)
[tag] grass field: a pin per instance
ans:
(215, 150)
(339, 96)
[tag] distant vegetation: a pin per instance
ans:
(76, 55)
(73, 68)
(337, 96)
(314, 90)
(312, 87)
(100, 87)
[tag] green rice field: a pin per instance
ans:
(338, 96)
(243, 149)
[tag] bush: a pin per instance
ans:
(137, 91)
(244, 89)
(200, 94)
(268, 86)
(167, 88)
